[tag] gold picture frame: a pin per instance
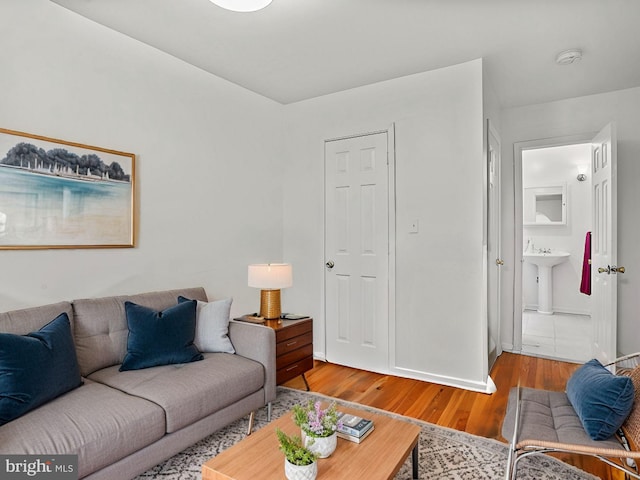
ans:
(60, 194)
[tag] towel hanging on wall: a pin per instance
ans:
(585, 285)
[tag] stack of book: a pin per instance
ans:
(354, 428)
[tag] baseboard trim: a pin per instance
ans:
(319, 356)
(561, 310)
(487, 386)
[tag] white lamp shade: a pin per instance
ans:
(270, 276)
(242, 5)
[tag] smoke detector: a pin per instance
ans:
(569, 56)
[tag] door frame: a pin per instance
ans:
(491, 263)
(391, 224)
(518, 148)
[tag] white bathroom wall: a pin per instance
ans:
(551, 167)
(209, 159)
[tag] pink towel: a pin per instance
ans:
(585, 285)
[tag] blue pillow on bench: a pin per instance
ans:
(36, 368)
(603, 401)
(160, 338)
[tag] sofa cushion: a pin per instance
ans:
(99, 424)
(602, 400)
(36, 367)
(190, 391)
(160, 337)
(212, 326)
(27, 320)
(101, 325)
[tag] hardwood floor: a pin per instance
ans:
(475, 413)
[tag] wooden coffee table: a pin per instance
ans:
(379, 456)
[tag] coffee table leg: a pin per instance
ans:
(414, 462)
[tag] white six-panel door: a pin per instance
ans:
(357, 251)
(603, 245)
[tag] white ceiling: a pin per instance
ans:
(299, 49)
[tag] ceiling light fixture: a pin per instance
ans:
(242, 5)
(569, 56)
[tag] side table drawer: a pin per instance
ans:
(291, 371)
(297, 329)
(294, 343)
(294, 356)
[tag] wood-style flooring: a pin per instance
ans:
(475, 413)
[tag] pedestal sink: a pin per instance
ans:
(545, 262)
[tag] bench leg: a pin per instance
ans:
(508, 471)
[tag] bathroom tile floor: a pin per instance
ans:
(557, 336)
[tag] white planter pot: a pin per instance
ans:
(300, 472)
(323, 446)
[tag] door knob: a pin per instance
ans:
(499, 262)
(605, 270)
(617, 269)
(330, 264)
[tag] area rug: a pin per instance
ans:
(444, 454)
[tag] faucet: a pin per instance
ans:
(544, 250)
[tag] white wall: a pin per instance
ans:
(209, 159)
(551, 167)
(214, 165)
(439, 169)
(572, 117)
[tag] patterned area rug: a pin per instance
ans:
(445, 454)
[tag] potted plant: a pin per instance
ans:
(318, 426)
(299, 462)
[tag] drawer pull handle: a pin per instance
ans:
(290, 344)
(292, 368)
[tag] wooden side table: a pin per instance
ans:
(294, 347)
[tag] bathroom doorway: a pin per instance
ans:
(556, 207)
(602, 262)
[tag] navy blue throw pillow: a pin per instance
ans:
(603, 401)
(36, 368)
(160, 338)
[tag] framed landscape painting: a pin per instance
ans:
(60, 194)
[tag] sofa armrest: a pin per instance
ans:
(258, 343)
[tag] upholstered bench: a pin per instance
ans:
(598, 415)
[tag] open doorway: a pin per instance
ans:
(548, 170)
(556, 203)
(599, 267)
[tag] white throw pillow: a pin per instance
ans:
(212, 326)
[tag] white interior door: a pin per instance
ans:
(357, 251)
(604, 266)
(494, 252)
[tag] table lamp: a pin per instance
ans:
(270, 278)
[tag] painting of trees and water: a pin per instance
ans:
(58, 194)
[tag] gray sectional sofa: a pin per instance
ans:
(121, 423)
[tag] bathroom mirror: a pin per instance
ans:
(545, 205)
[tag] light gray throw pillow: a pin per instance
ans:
(212, 326)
